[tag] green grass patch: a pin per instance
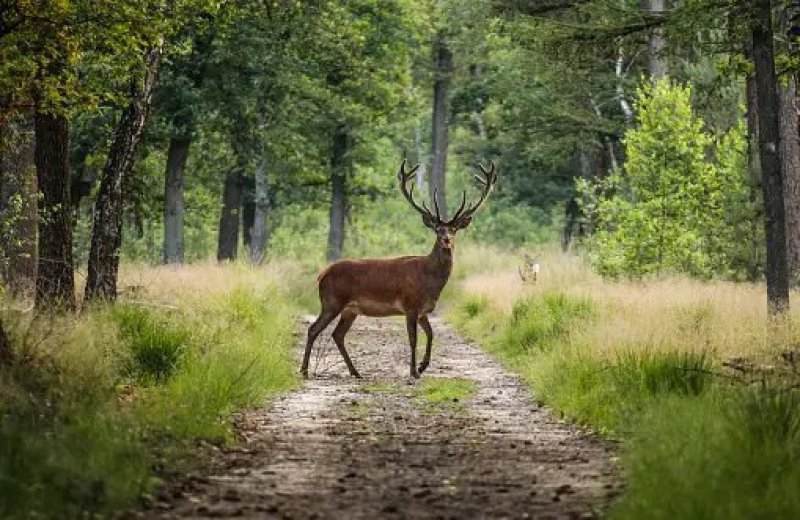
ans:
(732, 455)
(94, 404)
(694, 446)
(444, 391)
(155, 341)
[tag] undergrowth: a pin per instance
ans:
(695, 444)
(93, 409)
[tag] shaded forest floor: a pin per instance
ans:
(466, 441)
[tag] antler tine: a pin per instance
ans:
(403, 174)
(460, 208)
(436, 204)
(409, 194)
(488, 186)
(490, 175)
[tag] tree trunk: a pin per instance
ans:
(480, 105)
(421, 159)
(248, 211)
(656, 45)
(173, 199)
(6, 353)
(589, 161)
(620, 73)
(790, 150)
(769, 152)
(55, 284)
(259, 234)
(18, 205)
(228, 243)
(443, 67)
(101, 282)
(790, 155)
(338, 213)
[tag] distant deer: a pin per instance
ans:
(529, 270)
(409, 285)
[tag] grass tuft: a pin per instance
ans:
(155, 341)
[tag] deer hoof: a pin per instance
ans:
(356, 375)
(415, 374)
(304, 374)
(422, 368)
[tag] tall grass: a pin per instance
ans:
(93, 405)
(643, 362)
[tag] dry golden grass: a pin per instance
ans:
(675, 313)
(170, 283)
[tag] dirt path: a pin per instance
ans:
(341, 448)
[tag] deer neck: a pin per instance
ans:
(439, 264)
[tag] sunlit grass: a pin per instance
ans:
(675, 313)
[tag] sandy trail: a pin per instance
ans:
(341, 448)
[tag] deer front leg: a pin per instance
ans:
(345, 322)
(325, 317)
(426, 327)
(411, 325)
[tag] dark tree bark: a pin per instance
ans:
(443, 67)
(18, 205)
(338, 213)
(228, 242)
(656, 44)
(101, 282)
(790, 155)
(55, 284)
(6, 353)
(173, 199)
(790, 152)
(248, 211)
(259, 231)
(590, 166)
(754, 170)
(769, 152)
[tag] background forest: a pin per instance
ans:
(174, 172)
(183, 130)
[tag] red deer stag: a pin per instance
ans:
(408, 285)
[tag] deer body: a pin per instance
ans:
(385, 287)
(408, 285)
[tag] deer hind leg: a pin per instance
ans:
(314, 330)
(345, 322)
(411, 325)
(426, 327)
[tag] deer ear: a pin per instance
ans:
(429, 221)
(464, 222)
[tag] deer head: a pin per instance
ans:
(446, 229)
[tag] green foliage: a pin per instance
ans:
(87, 411)
(682, 373)
(732, 446)
(672, 209)
(155, 341)
(537, 323)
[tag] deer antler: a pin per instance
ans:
(405, 176)
(489, 180)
